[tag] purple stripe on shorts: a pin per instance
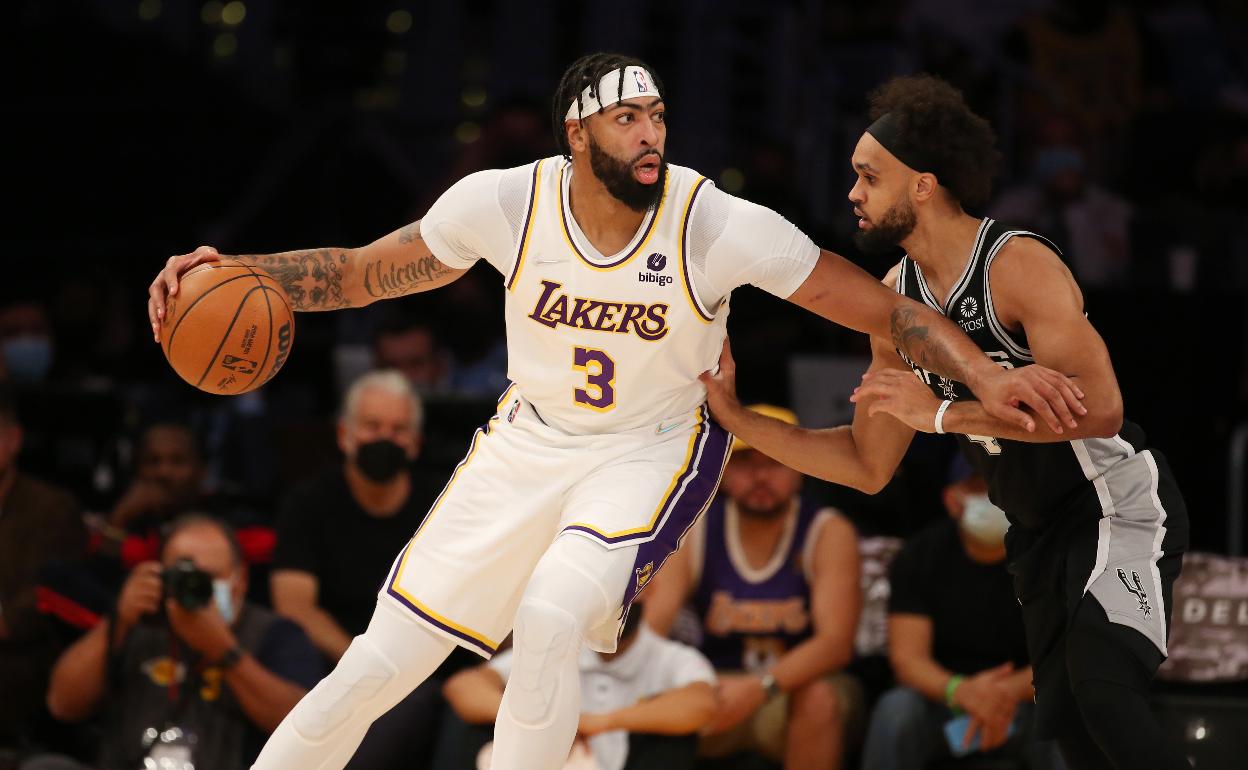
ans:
(681, 501)
(476, 643)
(697, 494)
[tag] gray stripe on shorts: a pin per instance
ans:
(1125, 579)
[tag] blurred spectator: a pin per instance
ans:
(774, 581)
(473, 312)
(185, 670)
(956, 643)
(337, 536)
(411, 346)
(641, 706)
(170, 479)
(513, 133)
(39, 524)
(1085, 58)
(1089, 223)
(26, 340)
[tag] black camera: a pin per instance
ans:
(187, 584)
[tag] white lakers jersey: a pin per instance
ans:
(605, 346)
(602, 344)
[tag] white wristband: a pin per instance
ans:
(940, 415)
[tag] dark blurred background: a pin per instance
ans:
(138, 129)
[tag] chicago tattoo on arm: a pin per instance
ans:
(385, 278)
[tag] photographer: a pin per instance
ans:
(185, 650)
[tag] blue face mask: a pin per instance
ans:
(27, 358)
(223, 595)
(984, 521)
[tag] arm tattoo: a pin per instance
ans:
(386, 278)
(312, 279)
(410, 233)
(916, 342)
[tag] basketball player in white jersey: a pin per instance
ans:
(602, 454)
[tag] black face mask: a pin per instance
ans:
(380, 460)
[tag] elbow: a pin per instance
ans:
(1105, 422)
(867, 480)
(902, 671)
(699, 707)
(840, 654)
(871, 481)
(62, 708)
(703, 712)
(871, 486)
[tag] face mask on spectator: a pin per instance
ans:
(380, 460)
(983, 521)
(223, 595)
(27, 358)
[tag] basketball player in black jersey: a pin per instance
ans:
(1098, 526)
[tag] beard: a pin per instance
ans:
(897, 223)
(617, 176)
(762, 506)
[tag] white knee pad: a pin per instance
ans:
(360, 676)
(545, 640)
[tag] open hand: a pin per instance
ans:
(899, 393)
(166, 283)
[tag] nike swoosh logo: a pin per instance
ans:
(665, 428)
(548, 261)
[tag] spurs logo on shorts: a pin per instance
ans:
(1137, 588)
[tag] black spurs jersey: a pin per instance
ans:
(1033, 483)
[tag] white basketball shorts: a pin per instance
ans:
(522, 484)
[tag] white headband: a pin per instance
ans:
(637, 82)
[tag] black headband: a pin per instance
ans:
(888, 132)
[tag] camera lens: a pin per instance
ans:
(187, 584)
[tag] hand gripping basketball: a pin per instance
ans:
(227, 325)
(166, 283)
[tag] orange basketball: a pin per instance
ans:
(229, 329)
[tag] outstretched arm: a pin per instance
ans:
(326, 279)
(843, 293)
(863, 455)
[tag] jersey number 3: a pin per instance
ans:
(599, 390)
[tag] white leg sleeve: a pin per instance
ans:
(577, 585)
(378, 670)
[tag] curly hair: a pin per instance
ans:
(589, 71)
(932, 117)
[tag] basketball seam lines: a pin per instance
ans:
(269, 344)
(237, 311)
(182, 316)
